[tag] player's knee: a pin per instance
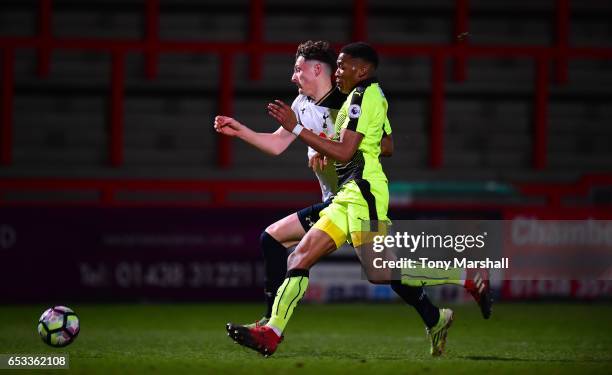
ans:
(280, 233)
(269, 243)
(273, 230)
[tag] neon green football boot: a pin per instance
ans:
(437, 334)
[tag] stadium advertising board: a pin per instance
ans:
(130, 254)
(562, 253)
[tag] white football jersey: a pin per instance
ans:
(319, 120)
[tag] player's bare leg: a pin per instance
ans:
(315, 245)
(288, 231)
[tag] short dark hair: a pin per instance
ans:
(318, 50)
(362, 51)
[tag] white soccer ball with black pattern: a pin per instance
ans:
(58, 326)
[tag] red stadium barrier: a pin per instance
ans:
(151, 46)
(553, 195)
(107, 190)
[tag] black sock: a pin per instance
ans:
(416, 296)
(275, 265)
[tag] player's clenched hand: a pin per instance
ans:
(317, 162)
(282, 113)
(227, 126)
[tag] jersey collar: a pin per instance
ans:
(366, 82)
(333, 99)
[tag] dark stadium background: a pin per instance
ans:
(114, 186)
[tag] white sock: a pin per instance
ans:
(276, 330)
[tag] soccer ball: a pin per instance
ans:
(58, 326)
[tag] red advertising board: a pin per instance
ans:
(563, 252)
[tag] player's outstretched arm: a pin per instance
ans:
(270, 143)
(341, 151)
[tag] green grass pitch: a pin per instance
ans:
(324, 339)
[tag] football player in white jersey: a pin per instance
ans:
(315, 108)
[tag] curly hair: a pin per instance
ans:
(318, 50)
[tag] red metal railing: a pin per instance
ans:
(461, 39)
(45, 21)
(220, 192)
(108, 189)
(151, 46)
(256, 36)
(360, 20)
(562, 39)
(556, 193)
(151, 38)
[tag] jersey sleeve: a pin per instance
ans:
(363, 111)
(387, 127)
